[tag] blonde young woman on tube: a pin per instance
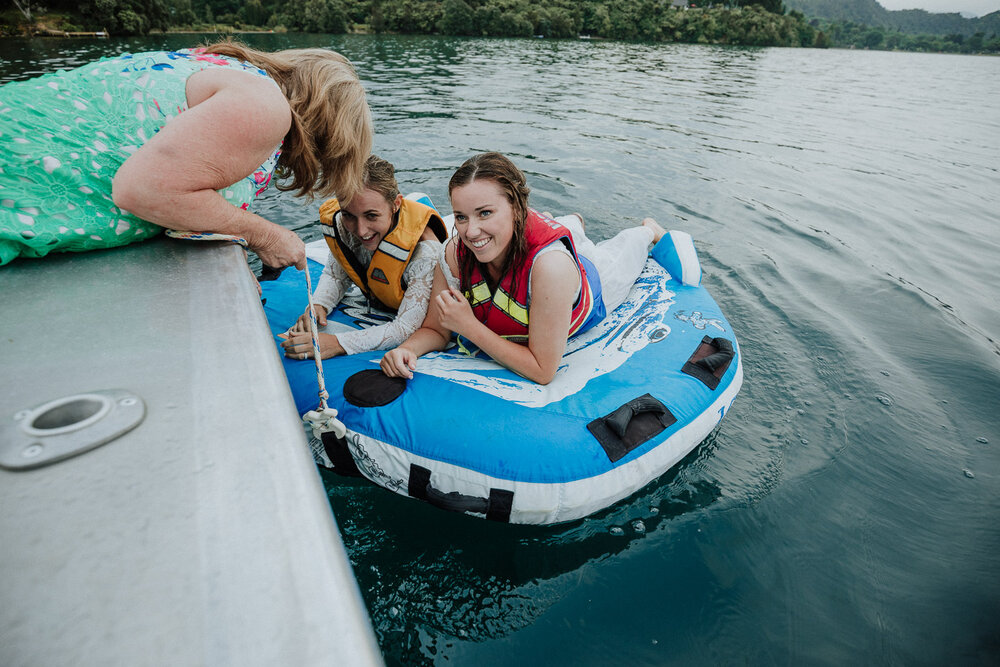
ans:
(388, 247)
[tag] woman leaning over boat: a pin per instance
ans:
(387, 246)
(515, 282)
(112, 152)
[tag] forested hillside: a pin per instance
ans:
(911, 21)
(798, 23)
(743, 22)
(868, 12)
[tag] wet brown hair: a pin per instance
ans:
(330, 138)
(379, 175)
(499, 169)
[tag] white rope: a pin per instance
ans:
(324, 419)
(314, 331)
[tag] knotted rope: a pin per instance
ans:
(325, 418)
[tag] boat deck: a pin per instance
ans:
(203, 535)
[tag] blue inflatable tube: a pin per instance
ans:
(633, 396)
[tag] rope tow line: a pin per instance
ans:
(324, 419)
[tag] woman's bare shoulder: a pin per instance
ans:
(238, 95)
(449, 255)
(554, 265)
(555, 273)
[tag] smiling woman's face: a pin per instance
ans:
(484, 220)
(368, 217)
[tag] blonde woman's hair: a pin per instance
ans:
(330, 138)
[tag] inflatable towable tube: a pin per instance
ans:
(634, 395)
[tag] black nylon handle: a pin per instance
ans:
(618, 420)
(497, 507)
(718, 359)
(455, 501)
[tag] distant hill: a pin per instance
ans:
(868, 12)
(913, 21)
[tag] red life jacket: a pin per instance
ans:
(505, 311)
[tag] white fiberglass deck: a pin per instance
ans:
(203, 535)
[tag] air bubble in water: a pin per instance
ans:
(638, 526)
(616, 530)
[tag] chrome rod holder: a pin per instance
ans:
(67, 426)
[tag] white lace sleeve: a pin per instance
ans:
(419, 275)
(333, 284)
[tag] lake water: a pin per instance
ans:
(845, 208)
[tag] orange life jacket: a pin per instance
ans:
(382, 279)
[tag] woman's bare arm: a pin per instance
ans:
(234, 122)
(555, 283)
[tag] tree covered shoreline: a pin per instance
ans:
(731, 22)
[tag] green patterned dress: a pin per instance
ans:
(65, 134)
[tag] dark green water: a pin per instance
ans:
(844, 205)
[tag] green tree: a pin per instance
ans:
(324, 16)
(624, 19)
(562, 23)
(413, 16)
(377, 18)
(596, 20)
(253, 13)
(873, 38)
(486, 21)
(181, 13)
(773, 6)
(130, 23)
(457, 18)
(515, 25)
(126, 17)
